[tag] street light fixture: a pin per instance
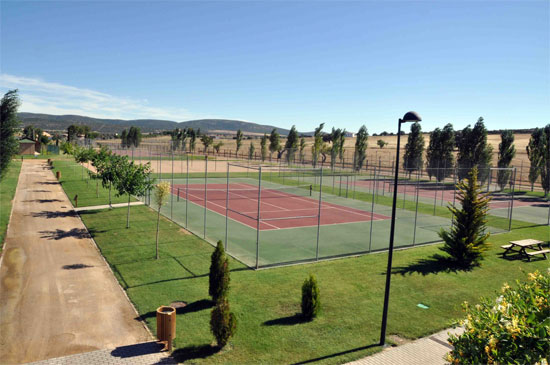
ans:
(409, 117)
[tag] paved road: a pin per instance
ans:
(57, 295)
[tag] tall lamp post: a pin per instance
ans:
(409, 117)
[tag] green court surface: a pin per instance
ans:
(301, 243)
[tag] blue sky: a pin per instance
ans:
(283, 63)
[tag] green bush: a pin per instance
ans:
(222, 322)
(219, 274)
(311, 304)
(513, 329)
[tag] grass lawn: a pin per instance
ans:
(7, 191)
(266, 301)
(76, 181)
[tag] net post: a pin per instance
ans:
(205, 190)
(512, 202)
(372, 211)
(178, 194)
(258, 218)
(319, 213)
(226, 207)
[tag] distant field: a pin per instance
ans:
(385, 156)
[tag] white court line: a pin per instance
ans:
(256, 199)
(223, 215)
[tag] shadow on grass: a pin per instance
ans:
(337, 354)
(197, 306)
(433, 265)
(286, 321)
(194, 352)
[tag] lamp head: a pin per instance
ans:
(411, 117)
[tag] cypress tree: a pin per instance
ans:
(239, 139)
(506, 152)
(251, 150)
(439, 155)
(467, 238)
(274, 143)
(361, 143)
(8, 124)
(291, 144)
(223, 323)
(473, 150)
(534, 149)
(311, 303)
(302, 148)
(124, 138)
(412, 160)
(317, 144)
(263, 147)
(545, 160)
(219, 273)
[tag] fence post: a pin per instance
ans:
(512, 203)
(258, 218)
(319, 213)
(416, 209)
(171, 188)
(520, 174)
(187, 190)
(372, 211)
(226, 206)
(454, 196)
(205, 190)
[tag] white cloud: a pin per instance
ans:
(38, 96)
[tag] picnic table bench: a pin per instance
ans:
(521, 246)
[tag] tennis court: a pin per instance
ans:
(278, 208)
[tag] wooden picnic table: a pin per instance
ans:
(521, 246)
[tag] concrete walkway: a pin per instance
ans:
(57, 295)
(139, 354)
(107, 206)
(429, 350)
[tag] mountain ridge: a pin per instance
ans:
(104, 125)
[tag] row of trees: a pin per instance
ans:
(114, 171)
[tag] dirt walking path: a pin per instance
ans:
(57, 294)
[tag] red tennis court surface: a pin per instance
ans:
(279, 209)
(440, 192)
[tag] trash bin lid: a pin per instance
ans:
(165, 309)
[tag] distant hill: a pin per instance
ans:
(61, 122)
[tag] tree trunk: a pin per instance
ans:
(128, 215)
(97, 189)
(158, 222)
(110, 204)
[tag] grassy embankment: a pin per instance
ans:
(266, 302)
(8, 184)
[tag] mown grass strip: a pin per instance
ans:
(8, 185)
(266, 302)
